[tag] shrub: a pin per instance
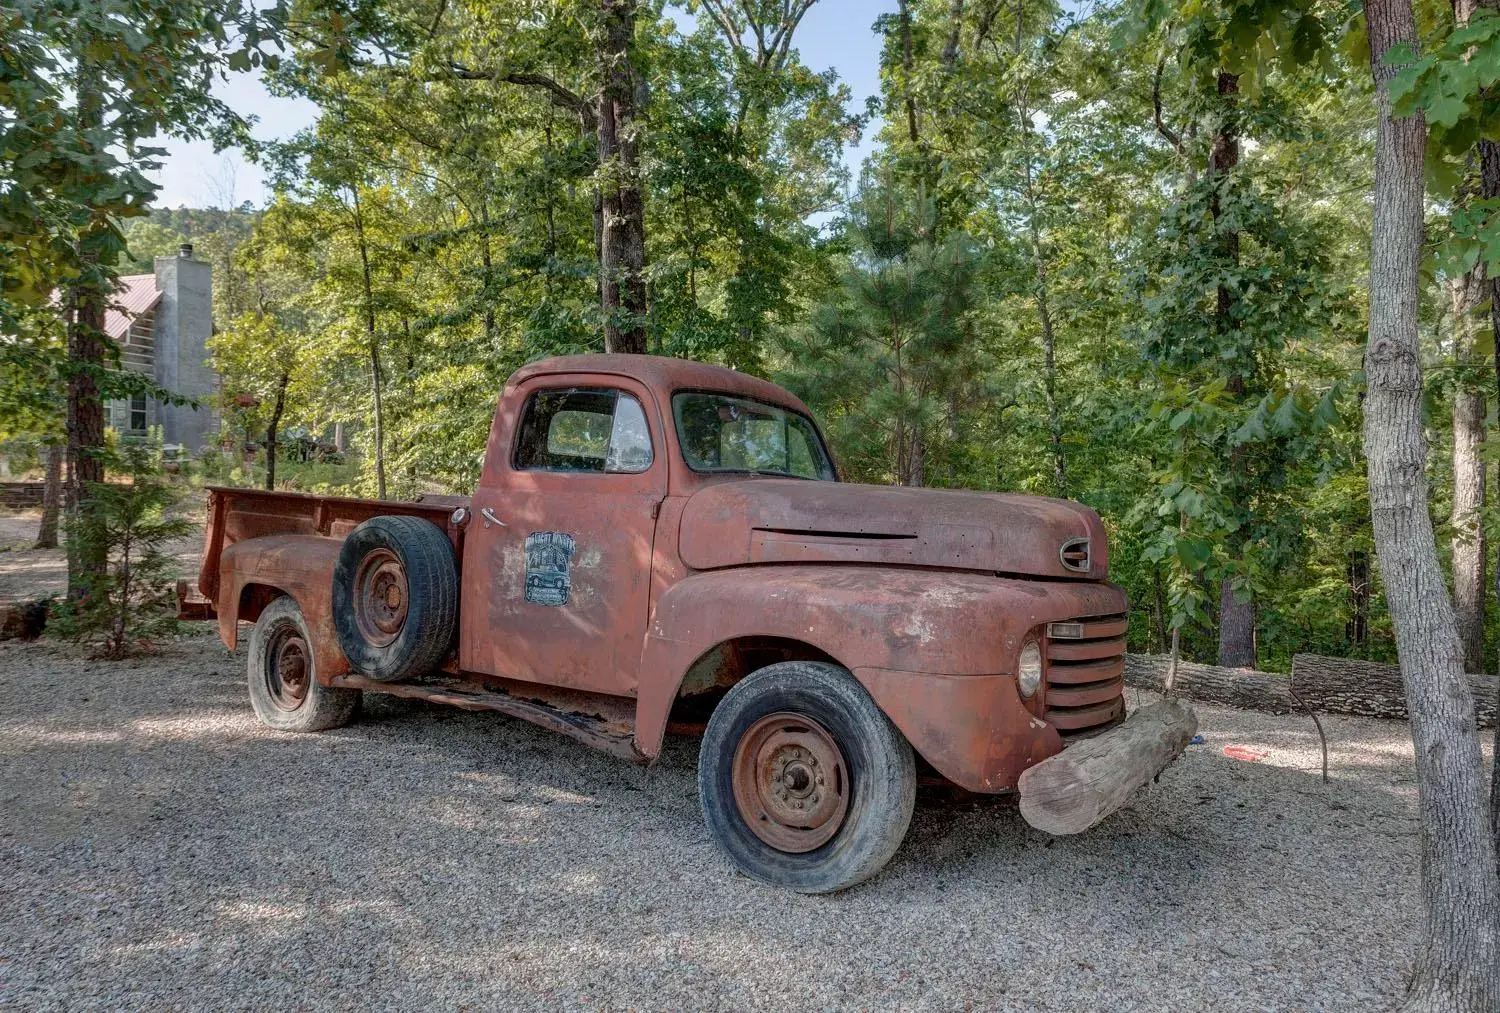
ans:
(132, 604)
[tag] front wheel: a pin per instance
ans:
(805, 784)
(284, 689)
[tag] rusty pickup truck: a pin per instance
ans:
(658, 546)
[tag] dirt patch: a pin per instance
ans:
(26, 572)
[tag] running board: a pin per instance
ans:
(614, 735)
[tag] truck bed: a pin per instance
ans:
(235, 515)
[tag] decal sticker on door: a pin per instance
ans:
(549, 555)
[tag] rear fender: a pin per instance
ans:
(297, 565)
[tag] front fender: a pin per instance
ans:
(298, 565)
(892, 628)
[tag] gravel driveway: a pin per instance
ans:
(159, 849)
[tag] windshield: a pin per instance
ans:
(724, 433)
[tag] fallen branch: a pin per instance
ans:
(1322, 738)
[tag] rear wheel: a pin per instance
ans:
(805, 784)
(284, 689)
(395, 598)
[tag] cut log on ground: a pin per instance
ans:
(1330, 685)
(1241, 688)
(1370, 689)
(1074, 790)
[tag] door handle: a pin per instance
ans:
(490, 518)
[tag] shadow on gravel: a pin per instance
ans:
(161, 849)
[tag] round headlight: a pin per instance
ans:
(1029, 671)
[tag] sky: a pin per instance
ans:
(835, 33)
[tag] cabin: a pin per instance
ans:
(161, 323)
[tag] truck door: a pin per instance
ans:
(557, 557)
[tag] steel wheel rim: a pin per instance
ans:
(791, 783)
(380, 597)
(288, 668)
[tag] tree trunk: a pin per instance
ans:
(1489, 180)
(275, 423)
(1468, 528)
(1043, 312)
(1049, 363)
(622, 247)
(1357, 630)
(1224, 156)
(955, 33)
(1236, 628)
(87, 561)
(1236, 616)
(379, 420)
(85, 420)
(485, 260)
(1456, 966)
(374, 345)
(46, 535)
(1244, 689)
(1367, 688)
(1158, 610)
(913, 132)
(916, 458)
(1074, 790)
(1336, 685)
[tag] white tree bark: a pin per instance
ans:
(1468, 531)
(1468, 480)
(1456, 967)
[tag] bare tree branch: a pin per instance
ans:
(783, 42)
(721, 15)
(1175, 140)
(955, 28)
(437, 19)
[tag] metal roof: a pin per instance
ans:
(137, 294)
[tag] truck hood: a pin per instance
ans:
(792, 521)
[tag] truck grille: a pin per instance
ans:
(1085, 674)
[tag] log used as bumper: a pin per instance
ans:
(1074, 790)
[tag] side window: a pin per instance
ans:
(584, 429)
(629, 438)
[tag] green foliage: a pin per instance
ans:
(461, 169)
(131, 606)
(889, 351)
(1452, 85)
(1047, 281)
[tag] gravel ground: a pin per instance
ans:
(159, 849)
(30, 573)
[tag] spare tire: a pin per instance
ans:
(395, 598)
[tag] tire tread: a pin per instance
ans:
(325, 707)
(884, 780)
(432, 599)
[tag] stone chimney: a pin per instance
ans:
(184, 322)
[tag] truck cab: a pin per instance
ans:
(658, 543)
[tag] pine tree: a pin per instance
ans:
(892, 345)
